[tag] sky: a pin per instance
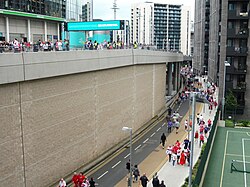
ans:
(102, 8)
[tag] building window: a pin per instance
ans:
(231, 6)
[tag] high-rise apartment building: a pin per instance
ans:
(201, 37)
(74, 10)
(228, 42)
(30, 20)
(165, 26)
(87, 10)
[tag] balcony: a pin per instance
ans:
(238, 0)
(232, 14)
(242, 33)
(237, 51)
(239, 87)
(237, 71)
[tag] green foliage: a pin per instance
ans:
(243, 123)
(231, 101)
(229, 123)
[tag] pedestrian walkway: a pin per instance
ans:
(157, 161)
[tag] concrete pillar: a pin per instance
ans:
(7, 29)
(45, 31)
(178, 76)
(29, 33)
(175, 76)
(170, 79)
(58, 31)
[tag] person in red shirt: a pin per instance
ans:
(201, 139)
(209, 123)
(178, 143)
(182, 158)
(196, 136)
(75, 179)
(81, 178)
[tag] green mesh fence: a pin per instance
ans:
(204, 157)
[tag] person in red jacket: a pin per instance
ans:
(75, 179)
(81, 178)
(201, 139)
(196, 136)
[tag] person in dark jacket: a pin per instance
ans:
(156, 182)
(163, 140)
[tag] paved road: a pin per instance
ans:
(113, 171)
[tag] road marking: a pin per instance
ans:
(248, 134)
(228, 154)
(244, 160)
(102, 175)
(152, 134)
(158, 129)
(116, 164)
(224, 158)
(163, 124)
(138, 147)
(145, 140)
(127, 155)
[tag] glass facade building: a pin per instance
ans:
(55, 8)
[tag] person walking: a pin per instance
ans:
(183, 158)
(144, 180)
(170, 124)
(92, 183)
(174, 158)
(177, 126)
(163, 140)
(155, 181)
(169, 111)
(169, 153)
(128, 165)
(162, 184)
(186, 141)
(62, 183)
(196, 136)
(201, 140)
(136, 173)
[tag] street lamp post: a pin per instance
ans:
(226, 64)
(192, 95)
(130, 156)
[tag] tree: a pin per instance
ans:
(231, 103)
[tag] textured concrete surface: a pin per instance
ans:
(50, 127)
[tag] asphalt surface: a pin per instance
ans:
(110, 173)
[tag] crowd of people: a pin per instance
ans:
(17, 46)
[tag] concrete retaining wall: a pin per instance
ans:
(52, 126)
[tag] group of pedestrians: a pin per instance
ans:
(142, 179)
(80, 180)
(179, 153)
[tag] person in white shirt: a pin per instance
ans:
(62, 183)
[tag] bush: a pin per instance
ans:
(229, 123)
(244, 123)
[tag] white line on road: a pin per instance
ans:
(145, 140)
(138, 147)
(163, 124)
(116, 164)
(152, 134)
(224, 158)
(102, 175)
(127, 155)
(158, 129)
